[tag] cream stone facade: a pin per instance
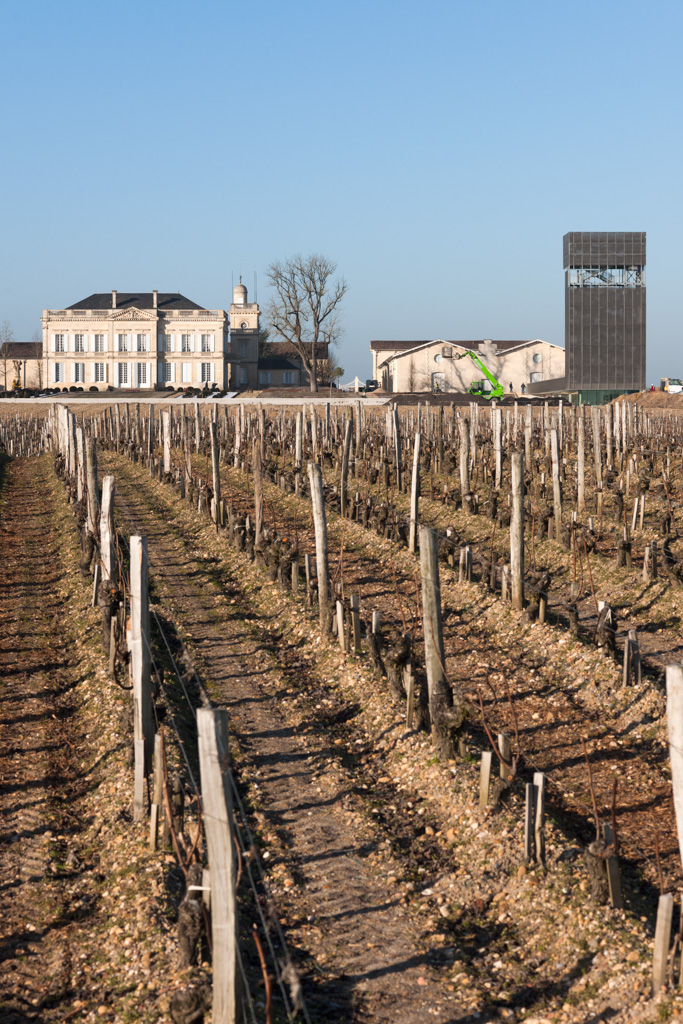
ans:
(244, 341)
(402, 366)
(135, 340)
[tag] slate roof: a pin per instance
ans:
(21, 350)
(277, 363)
(141, 300)
(288, 349)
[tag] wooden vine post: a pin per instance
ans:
(674, 714)
(258, 490)
(166, 420)
(345, 467)
(140, 657)
(414, 495)
(517, 531)
(298, 448)
(107, 527)
(497, 416)
(91, 480)
(446, 719)
(557, 489)
(464, 458)
(397, 449)
(215, 468)
(321, 547)
(212, 729)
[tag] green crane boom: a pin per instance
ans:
(477, 386)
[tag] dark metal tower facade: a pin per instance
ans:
(604, 312)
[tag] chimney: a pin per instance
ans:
(113, 298)
(155, 295)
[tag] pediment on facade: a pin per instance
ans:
(132, 313)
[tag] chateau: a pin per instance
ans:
(139, 339)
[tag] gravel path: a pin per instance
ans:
(374, 968)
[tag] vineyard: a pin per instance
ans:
(341, 712)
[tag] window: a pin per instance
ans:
(243, 350)
(186, 343)
(100, 343)
(100, 372)
(59, 343)
(537, 357)
(207, 373)
(264, 377)
(123, 342)
(243, 377)
(123, 374)
(166, 373)
(288, 377)
(79, 343)
(533, 377)
(167, 343)
(606, 277)
(79, 373)
(187, 373)
(140, 374)
(207, 342)
(58, 372)
(142, 343)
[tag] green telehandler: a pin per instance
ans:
(478, 387)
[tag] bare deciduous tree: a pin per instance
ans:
(305, 310)
(6, 338)
(412, 376)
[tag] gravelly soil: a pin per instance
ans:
(368, 950)
(36, 742)
(86, 920)
(562, 689)
(509, 942)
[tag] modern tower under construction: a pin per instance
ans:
(604, 313)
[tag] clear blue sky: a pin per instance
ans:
(436, 151)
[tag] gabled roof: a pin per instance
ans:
(404, 346)
(21, 350)
(141, 300)
(501, 347)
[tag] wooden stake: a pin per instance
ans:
(212, 728)
(660, 960)
(321, 547)
(613, 876)
(517, 531)
(414, 495)
(139, 646)
(539, 817)
(530, 823)
(484, 779)
(674, 714)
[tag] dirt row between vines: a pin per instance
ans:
(480, 935)
(86, 924)
(562, 688)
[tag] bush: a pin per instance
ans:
(169, 387)
(110, 387)
(93, 387)
(65, 390)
